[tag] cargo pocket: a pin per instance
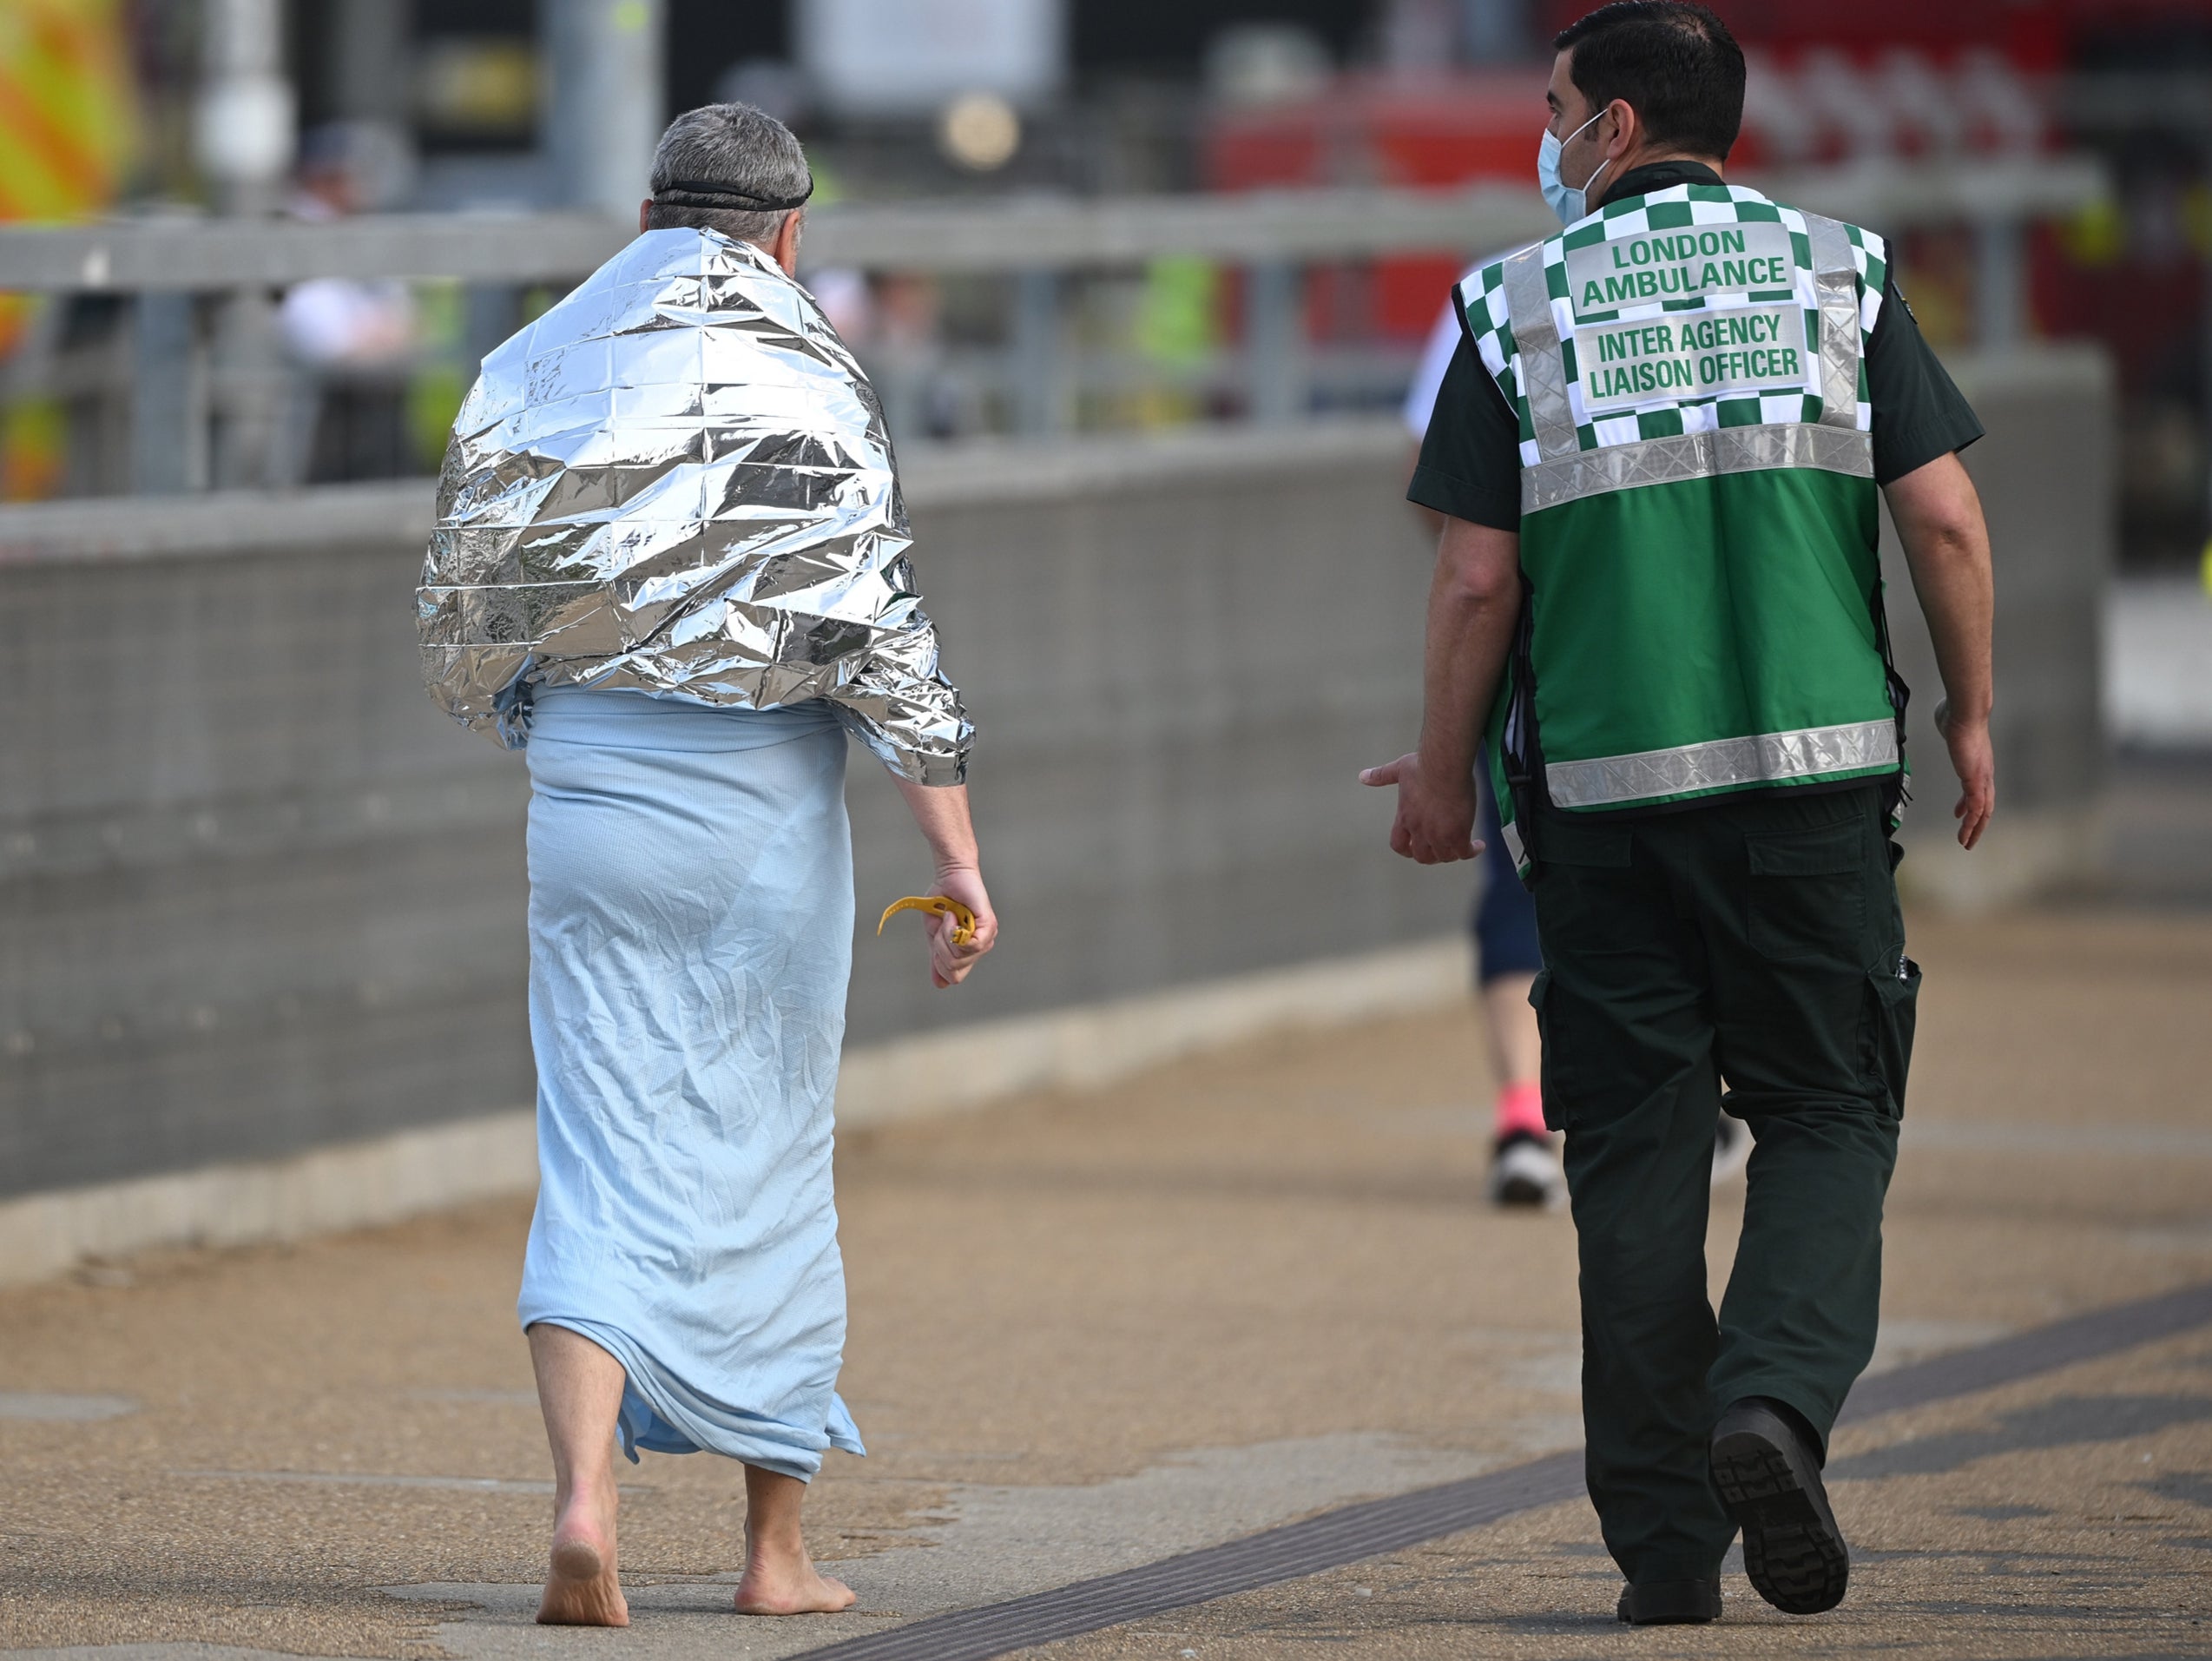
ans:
(1555, 1084)
(1885, 1038)
(1807, 893)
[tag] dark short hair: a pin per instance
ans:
(1674, 63)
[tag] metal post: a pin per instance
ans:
(1039, 406)
(603, 64)
(245, 138)
(244, 133)
(169, 399)
(1274, 343)
(368, 60)
(2000, 284)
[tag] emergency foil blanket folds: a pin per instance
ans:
(677, 481)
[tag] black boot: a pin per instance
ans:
(1670, 1603)
(1767, 1470)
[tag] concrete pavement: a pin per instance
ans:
(1091, 1331)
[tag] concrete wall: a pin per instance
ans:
(257, 895)
(258, 898)
(2046, 475)
(1178, 657)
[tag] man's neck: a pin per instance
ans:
(1654, 159)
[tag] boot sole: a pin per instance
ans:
(1793, 1552)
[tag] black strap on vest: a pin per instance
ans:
(1523, 748)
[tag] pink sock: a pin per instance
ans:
(1520, 1108)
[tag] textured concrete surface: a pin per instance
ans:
(2161, 820)
(2056, 1519)
(1094, 1330)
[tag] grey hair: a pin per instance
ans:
(736, 147)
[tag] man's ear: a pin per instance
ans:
(785, 250)
(644, 216)
(1628, 127)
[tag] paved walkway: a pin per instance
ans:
(1091, 1332)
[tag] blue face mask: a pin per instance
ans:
(1570, 202)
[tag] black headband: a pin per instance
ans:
(724, 196)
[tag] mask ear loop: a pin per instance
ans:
(1590, 183)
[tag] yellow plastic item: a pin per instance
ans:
(964, 920)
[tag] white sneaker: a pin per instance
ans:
(1731, 1149)
(1524, 1171)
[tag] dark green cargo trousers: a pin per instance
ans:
(1756, 940)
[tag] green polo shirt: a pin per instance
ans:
(1470, 460)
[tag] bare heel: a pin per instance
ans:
(576, 1559)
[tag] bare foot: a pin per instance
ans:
(583, 1590)
(786, 1582)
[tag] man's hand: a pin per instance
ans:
(1474, 601)
(941, 815)
(1436, 821)
(950, 964)
(1974, 760)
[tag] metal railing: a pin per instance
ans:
(997, 234)
(1038, 247)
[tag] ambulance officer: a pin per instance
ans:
(1663, 590)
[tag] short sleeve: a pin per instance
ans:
(1919, 412)
(1471, 459)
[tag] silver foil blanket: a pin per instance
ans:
(678, 481)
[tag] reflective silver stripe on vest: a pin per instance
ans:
(1695, 455)
(1513, 846)
(1544, 367)
(1836, 279)
(1768, 758)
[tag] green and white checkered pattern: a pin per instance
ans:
(1678, 207)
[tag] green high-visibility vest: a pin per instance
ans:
(1702, 589)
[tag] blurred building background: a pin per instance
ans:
(1143, 285)
(319, 109)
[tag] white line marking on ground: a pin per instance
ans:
(79, 1409)
(2116, 1141)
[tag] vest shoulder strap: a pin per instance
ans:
(1544, 367)
(1835, 278)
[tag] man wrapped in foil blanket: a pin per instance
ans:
(670, 564)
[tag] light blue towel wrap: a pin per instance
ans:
(690, 937)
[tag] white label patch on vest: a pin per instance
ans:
(1687, 355)
(1692, 263)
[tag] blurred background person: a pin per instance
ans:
(352, 341)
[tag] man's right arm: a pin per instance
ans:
(1946, 546)
(1474, 604)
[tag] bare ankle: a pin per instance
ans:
(589, 1494)
(775, 1545)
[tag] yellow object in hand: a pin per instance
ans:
(964, 920)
